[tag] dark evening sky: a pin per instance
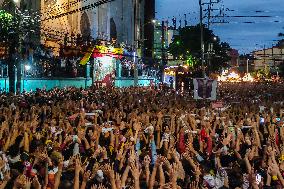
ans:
(245, 34)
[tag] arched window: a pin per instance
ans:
(85, 25)
(113, 32)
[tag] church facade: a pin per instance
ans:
(122, 20)
(127, 21)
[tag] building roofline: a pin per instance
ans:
(274, 47)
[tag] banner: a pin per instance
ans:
(218, 104)
(205, 88)
(87, 57)
(100, 51)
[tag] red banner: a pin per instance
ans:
(218, 104)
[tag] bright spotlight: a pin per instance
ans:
(27, 67)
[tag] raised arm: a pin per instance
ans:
(58, 174)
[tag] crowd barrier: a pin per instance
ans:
(29, 84)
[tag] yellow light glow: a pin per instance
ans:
(248, 78)
(235, 77)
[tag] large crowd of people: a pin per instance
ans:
(118, 138)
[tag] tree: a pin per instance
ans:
(9, 37)
(187, 45)
(6, 23)
(18, 30)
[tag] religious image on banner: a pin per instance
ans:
(205, 88)
(105, 69)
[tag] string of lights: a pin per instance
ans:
(63, 6)
(60, 9)
(81, 9)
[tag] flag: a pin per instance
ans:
(87, 57)
(205, 88)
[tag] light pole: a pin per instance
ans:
(247, 66)
(136, 38)
(210, 50)
(25, 69)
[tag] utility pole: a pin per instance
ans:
(210, 3)
(209, 13)
(163, 49)
(201, 38)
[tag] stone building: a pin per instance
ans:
(123, 20)
(127, 21)
(268, 58)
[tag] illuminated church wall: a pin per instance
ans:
(119, 13)
(114, 19)
(66, 24)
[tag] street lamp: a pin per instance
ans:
(27, 67)
(17, 3)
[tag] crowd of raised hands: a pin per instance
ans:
(141, 138)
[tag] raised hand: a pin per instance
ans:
(173, 152)
(173, 173)
(96, 167)
(119, 155)
(132, 156)
(2, 163)
(36, 183)
(193, 185)
(61, 163)
(189, 146)
(118, 180)
(134, 168)
(160, 115)
(86, 176)
(78, 164)
(108, 170)
(101, 186)
(166, 162)
(7, 176)
(247, 153)
(197, 171)
(28, 183)
(20, 181)
(273, 169)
